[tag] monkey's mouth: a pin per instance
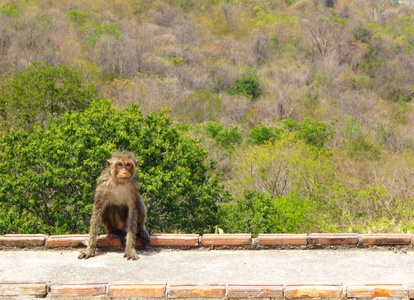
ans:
(124, 178)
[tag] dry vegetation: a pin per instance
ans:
(346, 61)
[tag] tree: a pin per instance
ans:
(248, 85)
(47, 178)
(286, 165)
(257, 212)
(31, 97)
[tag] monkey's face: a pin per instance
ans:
(123, 171)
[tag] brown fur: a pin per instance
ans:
(119, 206)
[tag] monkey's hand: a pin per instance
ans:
(131, 255)
(86, 254)
(144, 236)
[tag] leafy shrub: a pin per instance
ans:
(286, 165)
(47, 178)
(11, 10)
(226, 138)
(248, 85)
(199, 106)
(30, 97)
(257, 212)
(260, 134)
(90, 28)
(314, 133)
(355, 142)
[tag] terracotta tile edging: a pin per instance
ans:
(214, 240)
(227, 239)
(79, 289)
(137, 289)
(376, 291)
(182, 291)
(157, 290)
(386, 239)
(282, 239)
(23, 240)
(328, 239)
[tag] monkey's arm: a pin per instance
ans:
(93, 233)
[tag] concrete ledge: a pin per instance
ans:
(214, 240)
(139, 290)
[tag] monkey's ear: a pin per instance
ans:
(136, 163)
(108, 162)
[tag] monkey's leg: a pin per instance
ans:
(130, 252)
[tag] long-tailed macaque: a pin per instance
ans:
(119, 206)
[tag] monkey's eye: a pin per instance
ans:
(128, 165)
(120, 164)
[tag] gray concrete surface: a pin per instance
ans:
(199, 266)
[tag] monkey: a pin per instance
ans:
(118, 206)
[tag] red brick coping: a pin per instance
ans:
(163, 290)
(215, 240)
(139, 290)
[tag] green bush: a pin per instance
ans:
(227, 138)
(47, 178)
(314, 133)
(248, 85)
(257, 212)
(260, 134)
(31, 97)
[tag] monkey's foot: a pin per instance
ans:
(85, 255)
(144, 236)
(131, 255)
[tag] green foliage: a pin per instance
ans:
(257, 213)
(199, 106)
(248, 85)
(47, 178)
(314, 133)
(319, 80)
(362, 34)
(227, 138)
(90, 28)
(355, 143)
(175, 60)
(31, 97)
(371, 62)
(11, 10)
(275, 41)
(285, 165)
(339, 20)
(260, 134)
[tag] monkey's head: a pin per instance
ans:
(122, 166)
